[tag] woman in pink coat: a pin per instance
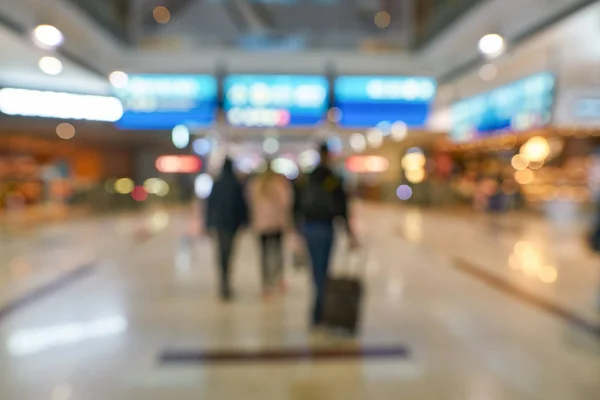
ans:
(270, 200)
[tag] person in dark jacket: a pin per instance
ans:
(227, 212)
(319, 200)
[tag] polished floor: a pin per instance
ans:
(476, 308)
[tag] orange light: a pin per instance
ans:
(367, 164)
(186, 164)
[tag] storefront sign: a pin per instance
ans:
(520, 106)
(587, 108)
(165, 101)
(178, 164)
(275, 100)
(44, 104)
(366, 101)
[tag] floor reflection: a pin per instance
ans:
(31, 341)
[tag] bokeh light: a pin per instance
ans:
(358, 142)
(286, 167)
(404, 192)
(203, 186)
(118, 79)
(415, 175)
(139, 194)
(201, 146)
(374, 138)
(124, 185)
(161, 14)
(536, 149)
(488, 72)
(155, 185)
(271, 145)
(519, 162)
(385, 127)
(50, 65)
(180, 136)
(65, 131)
(524, 177)
(47, 36)
(308, 160)
(491, 45)
(399, 131)
(383, 19)
(335, 145)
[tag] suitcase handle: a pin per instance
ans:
(354, 263)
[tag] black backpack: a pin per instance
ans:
(317, 198)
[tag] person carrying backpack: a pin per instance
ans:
(319, 200)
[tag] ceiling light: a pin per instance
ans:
(118, 79)
(161, 14)
(491, 45)
(36, 103)
(47, 36)
(383, 19)
(488, 72)
(50, 65)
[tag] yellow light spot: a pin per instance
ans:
(524, 177)
(415, 175)
(519, 162)
(162, 15)
(124, 186)
(548, 275)
(536, 149)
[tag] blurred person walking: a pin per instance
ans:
(270, 211)
(226, 214)
(319, 200)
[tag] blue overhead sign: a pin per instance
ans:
(520, 106)
(275, 100)
(165, 101)
(366, 101)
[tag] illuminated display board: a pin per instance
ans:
(275, 100)
(366, 101)
(520, 106)
(164, 101)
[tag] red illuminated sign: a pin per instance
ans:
(183, 164)
(367, 164)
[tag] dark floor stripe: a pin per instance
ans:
(519, 293)
(45, 291)
(281, 355)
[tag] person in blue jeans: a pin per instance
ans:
(320, 199)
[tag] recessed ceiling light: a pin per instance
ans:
(47, 36)
(50, 65)
(491, 45)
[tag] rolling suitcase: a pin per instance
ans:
(342, 303)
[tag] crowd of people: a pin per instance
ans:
(271, 206)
